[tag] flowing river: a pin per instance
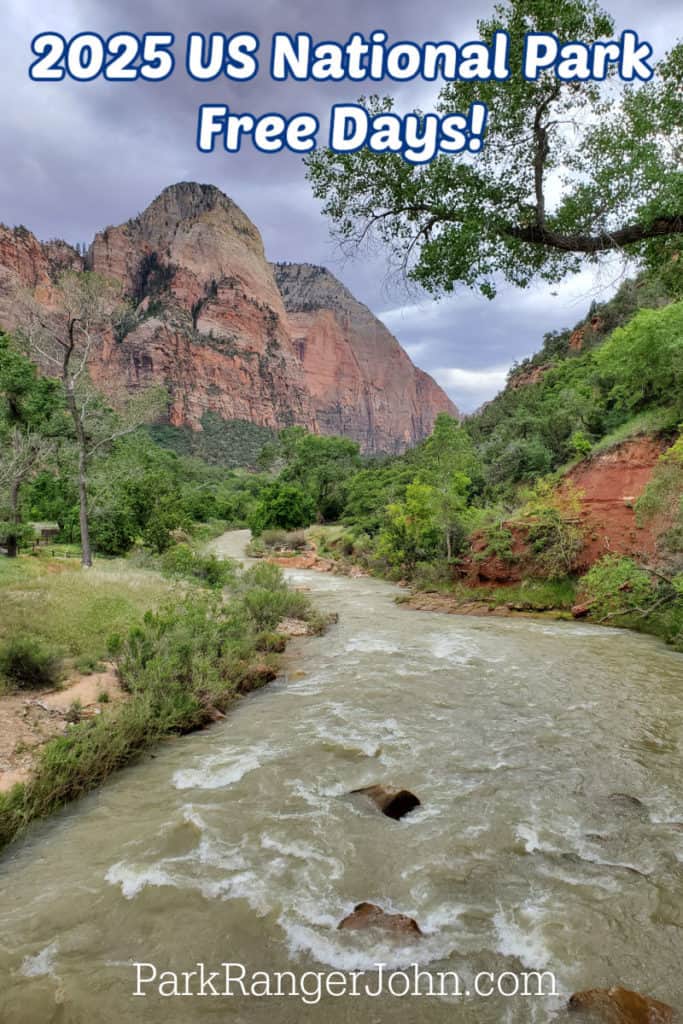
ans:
(547, 757)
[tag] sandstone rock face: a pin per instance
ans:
(609, 484)
(211, 322)
(208, 321)
(27, 264)
(362, 383)
(369, 915)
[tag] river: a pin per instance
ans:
(241, 844)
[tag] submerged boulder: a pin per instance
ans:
(621, 1006)
(369, 915)
(627, 804)
(393, 802)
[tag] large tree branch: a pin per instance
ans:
(540, 235)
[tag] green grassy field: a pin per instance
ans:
(75, 610)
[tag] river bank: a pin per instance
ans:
(175, 665)
(529, 597)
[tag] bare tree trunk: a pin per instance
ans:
(86, 552)
(12, 538)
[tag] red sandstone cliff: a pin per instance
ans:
(208, 321)
(362, 384)
(607, 486)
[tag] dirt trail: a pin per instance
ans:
(29, 719)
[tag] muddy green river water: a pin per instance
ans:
(525, 741)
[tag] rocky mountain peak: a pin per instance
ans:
(187, 207)
(187, 200)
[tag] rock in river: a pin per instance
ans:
(620, 1006)
(395, 803)
(369, 915)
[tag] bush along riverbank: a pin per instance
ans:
(181, 667)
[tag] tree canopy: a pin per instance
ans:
(570, 170)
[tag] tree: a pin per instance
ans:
(29, 425)
(281, 506)
(24, 453)
(411, 533)
(662, 501)
(63, 340)
(643, 361)
(322, 466)
(449, 466)
(611, 151)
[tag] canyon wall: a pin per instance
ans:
(228, 334)
(362, 383)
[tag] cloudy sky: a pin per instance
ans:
(79, 156)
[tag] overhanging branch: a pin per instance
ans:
(539, 235)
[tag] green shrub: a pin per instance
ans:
(276, 539)
(616, 586)
(499, 544)
(26, 664)
(256, 548)
(555, 543)
(643, 361)
(158, 531)
(432, 576)
(580, 444)
(282, 540)
(178, 561)
(273, 643)
(267, 599)
(74, 712)
(182, 562)
(112, 531)
(628, 595)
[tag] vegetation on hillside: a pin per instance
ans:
(229, 443)
(493, 479)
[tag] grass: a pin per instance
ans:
(71, 609)
(530, 595)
